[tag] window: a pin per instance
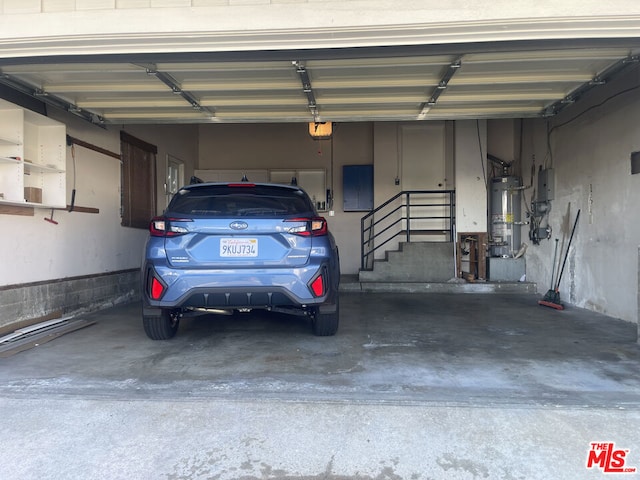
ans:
(244, 201)
(174, 179)
(138, 181)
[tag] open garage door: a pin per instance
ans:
(509, 80)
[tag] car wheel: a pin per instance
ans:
(162, 326)
(326, 324)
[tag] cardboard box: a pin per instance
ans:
(33, 194)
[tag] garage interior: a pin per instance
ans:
(485, 123)
(454, 375)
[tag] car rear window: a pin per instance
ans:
(240, 201)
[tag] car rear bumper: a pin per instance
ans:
(250, 288)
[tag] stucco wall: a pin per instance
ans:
(591, 144)
(472, 177)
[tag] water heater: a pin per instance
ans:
(505, 216)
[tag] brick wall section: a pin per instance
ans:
(49, 6)
(71, 296)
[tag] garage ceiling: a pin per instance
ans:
(332, 85)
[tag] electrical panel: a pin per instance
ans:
(357, 183)
(546, 185)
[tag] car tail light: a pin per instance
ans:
(244, 184)
(157, 289)
(317, 286)
(166, 227)
(311, 227)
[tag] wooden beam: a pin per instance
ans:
(95, 148)
(29, 211)
(16, 210)
(79, 209)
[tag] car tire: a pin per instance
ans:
(162, 326)
(326, 324)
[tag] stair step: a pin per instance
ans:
(458, 286)
(414, 262)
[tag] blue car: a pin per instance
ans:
(225, 247)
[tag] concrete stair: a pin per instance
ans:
(424, 262)
(423, 267)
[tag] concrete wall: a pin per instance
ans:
(67, 296)
(591, 143)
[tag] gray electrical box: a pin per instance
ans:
(546, 185)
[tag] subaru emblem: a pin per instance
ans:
(239, 225)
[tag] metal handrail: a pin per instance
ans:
(399, 213)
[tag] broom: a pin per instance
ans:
(552, 297)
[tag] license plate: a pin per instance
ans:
(239, 247)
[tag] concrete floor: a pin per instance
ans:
(413, 386)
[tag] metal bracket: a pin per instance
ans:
(600, 79)
(40, 94)
(175, 87)
(307, 89)
(441, 87)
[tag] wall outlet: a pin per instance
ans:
(332, 213)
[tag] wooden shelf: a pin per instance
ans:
(10, 160)
(46, 206)
(42, 141)
(32, 167)
(4, 141)
(28, 208)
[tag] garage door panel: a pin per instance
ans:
(493, 83)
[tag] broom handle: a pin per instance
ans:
(573, 230)
(553, 265)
